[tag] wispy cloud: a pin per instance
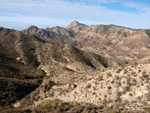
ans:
(108, 1)
(92, 2)
(45, 13)
(141, 7)
(21, 22)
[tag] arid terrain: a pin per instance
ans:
(77, 69)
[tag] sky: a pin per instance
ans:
(19, 14)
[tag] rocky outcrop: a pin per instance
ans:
(74, 24)
(31, 30)
(57, 33)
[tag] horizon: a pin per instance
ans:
(19, 14)
(80, 23)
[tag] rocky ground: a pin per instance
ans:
(123, 87)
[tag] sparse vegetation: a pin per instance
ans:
(135, 63)
(88, 86)
(130, 94)
(139, 71)
(109, 87)
(78, 75)
(118, 71)
(15, 77)
(144, 74)
(127, 88)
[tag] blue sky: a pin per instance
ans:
(19, 14)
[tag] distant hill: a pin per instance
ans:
(114, 42)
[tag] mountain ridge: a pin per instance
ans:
(102, 39)
(74, 24)
(99, 68)
(27, 59)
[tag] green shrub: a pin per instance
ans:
(11, 86)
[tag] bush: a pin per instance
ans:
(127, 88)
(109, 87)
(119, 70)
(88, 86)
(11, 86)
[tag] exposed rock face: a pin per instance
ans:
(114, 42)
(42, 33)
(57, 33)
(31, 30)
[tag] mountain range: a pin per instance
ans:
(114, 42)
(80, 68)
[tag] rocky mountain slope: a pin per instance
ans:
(16, 79)
(126, 89)
(57, 33)
(115, 42)
(23, 58)
(95, 69)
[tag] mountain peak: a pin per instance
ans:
(32, 26)
(73, 24)
(47, 28)
(30, 30)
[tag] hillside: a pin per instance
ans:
(23, 57)
(57, 33)
(114, 42)
(100, 68)
(125, 89)
(16, 79)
